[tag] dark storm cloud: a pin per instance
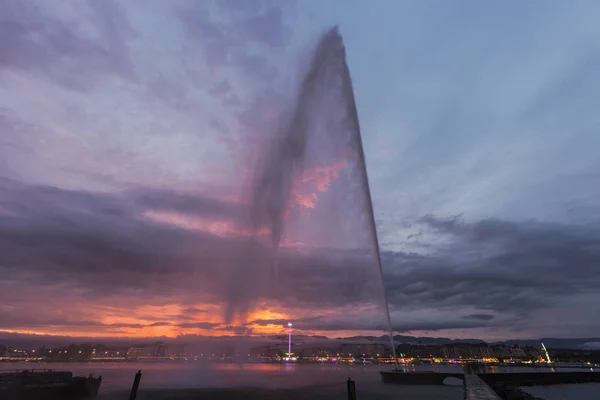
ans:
(103, 245)
(41, 316)
(238, 330)
(32, 38)
(362, 322)
(160, 323)
(44, 317)
(480, 317)
(99, 240)
(498, 265)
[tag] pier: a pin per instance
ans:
(488, 386)
(477, 389)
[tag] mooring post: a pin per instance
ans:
(136, 384)
(351, 389)
(465, 373)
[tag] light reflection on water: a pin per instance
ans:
(318, 380)
(503, 369)
(315, 380)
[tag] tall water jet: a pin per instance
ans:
(310, 125)
(356, 137)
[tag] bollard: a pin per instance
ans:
(136, 384)
(351, 389)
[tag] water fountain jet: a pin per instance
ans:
(283, 164)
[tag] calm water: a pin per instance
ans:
(582, 391)
(311, 381)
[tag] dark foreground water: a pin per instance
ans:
(199, 380)
(259, 381)
(582, 391)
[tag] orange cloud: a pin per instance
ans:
(173, 319)
(306, 200)
(315, 180)
(221, 228)
(168, 320)
(322, 176)
(266, 314)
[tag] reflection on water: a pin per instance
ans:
(314, 381)
(581, 391)
(503, 369)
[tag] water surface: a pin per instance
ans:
(276, 381)
(190, 380)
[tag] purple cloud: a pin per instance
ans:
(35, 40)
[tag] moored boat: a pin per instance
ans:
(47, 385)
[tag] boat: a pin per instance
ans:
(47, 385)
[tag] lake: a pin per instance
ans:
(266, 381)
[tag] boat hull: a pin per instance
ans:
(47, 385)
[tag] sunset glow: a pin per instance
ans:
(198, 168)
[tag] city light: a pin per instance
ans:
(336, 353)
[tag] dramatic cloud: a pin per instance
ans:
(130, 133)
(103, 247)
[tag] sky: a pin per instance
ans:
(130, 133)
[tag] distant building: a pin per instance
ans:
(517, 353)
(450, 352)
(425, 351)
(367, 350)
(533, 354)
(141, 351)
(156, 350)
(487, 352)
(176, 349)
(501, 352)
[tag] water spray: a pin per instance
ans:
(353, 113)
(284, 161)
